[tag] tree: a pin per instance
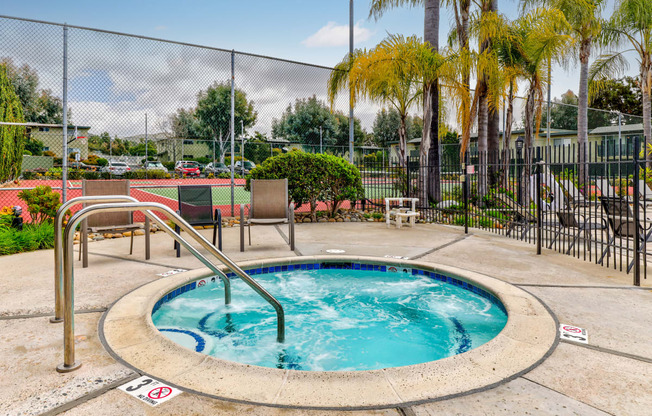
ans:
(585, 24)
(387, 124)
(214, 113)
(302, 123)
(563, 114)
(34, 146)
(429, 149)
(618, 95)
(39, 106)
(392, 73)
(11, 137)
(631, 25)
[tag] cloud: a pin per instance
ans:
(114, 80)
(160, 27)
(334, 35)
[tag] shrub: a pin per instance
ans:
(91, 175)
(29, 174)
(140, 174)
(32, 237)
(42, 203)
(49, 153)
(312, 178)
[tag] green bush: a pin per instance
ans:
(42, 203)
(91, 175)
(32, 237)
(169, 166)
(29, 174)
(312, 178)
(150, 174)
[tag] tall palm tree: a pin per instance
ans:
(429, 149)
(585, 23)
(629, 25)
(392, 73)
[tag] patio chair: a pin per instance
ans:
(605, 188)
(196, 207)
(568, 220)
(573, 195)
(622, 224)
(269, 206)
(110, 221)
(523, 216)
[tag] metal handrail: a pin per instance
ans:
(69, 363)
(58, 248)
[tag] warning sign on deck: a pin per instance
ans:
(171, 272)
(149, 390)
(573, 333)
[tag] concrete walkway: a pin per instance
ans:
(612, 375)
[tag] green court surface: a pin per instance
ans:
(222, 194)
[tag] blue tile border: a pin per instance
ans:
(344, 265)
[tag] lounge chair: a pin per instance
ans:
(568, 220)
(196, 207)
(523, 216)
(269, 206)
(117, 222)
(605, 188)
(622, 224)
(574, 196)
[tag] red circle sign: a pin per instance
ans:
(159, 393)
(201, 283)
(572, 329)
(392, 269)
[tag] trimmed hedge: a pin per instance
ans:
(313, 178)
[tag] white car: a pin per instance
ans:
(117, 168)
(155, 166)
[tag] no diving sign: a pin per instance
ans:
(573, 333)
(150, 391)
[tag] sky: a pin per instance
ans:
(314, 32)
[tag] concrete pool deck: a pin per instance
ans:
(610, 375)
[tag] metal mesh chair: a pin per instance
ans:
(269, 206)
(110, 221)
(622, 224)
(196, 207)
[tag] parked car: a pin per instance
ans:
(187, 169)
(116, 168)
(216, 168)
(248, 166)
(155, 165)
(82, 166)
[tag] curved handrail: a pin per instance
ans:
(69, 363)
(58, 249)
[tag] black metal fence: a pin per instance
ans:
(596, 209)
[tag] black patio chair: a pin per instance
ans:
(568, 220)
(622, 224)
(196, 207)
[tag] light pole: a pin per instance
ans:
(520, 141)
(350, 89)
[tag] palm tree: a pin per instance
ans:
(630, 25)
(585, 24)
(429, 149)
(393, 73)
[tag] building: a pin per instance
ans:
(51, 135)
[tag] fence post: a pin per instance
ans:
(64, 156)
(539, 207)
(232, 123)
(637, 232)
(465, 191)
